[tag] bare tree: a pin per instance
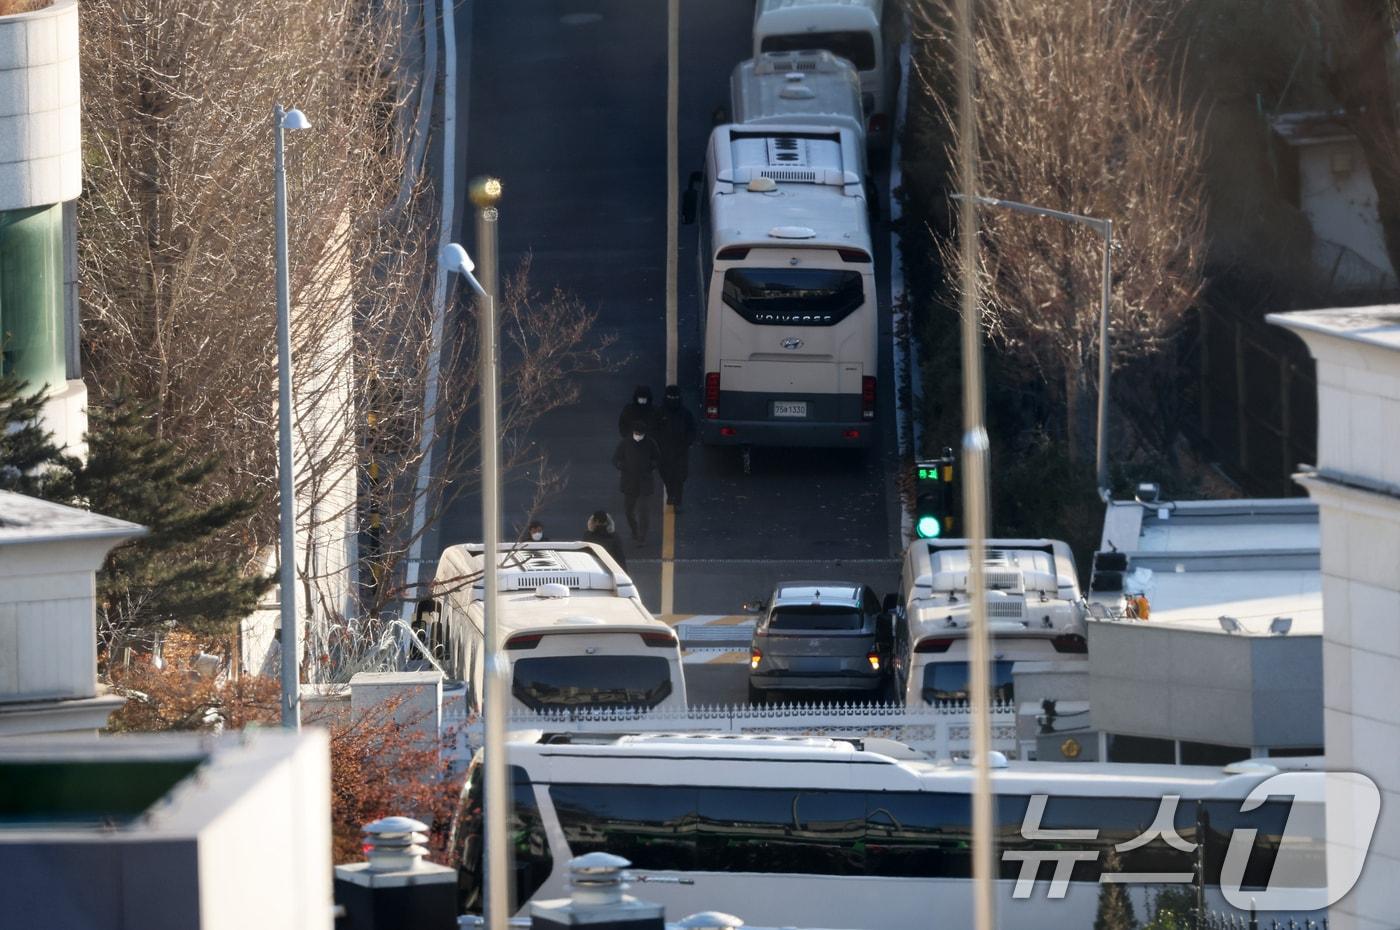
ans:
(177, 273)
(1076, 112)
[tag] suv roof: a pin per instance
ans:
(842, 593)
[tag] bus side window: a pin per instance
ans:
(804, 832)
(652, 826)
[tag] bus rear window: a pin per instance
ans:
(551, 682)
(856, 47)
(947, 681)
(793, 296)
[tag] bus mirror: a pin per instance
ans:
(891, 603)
(426, 606)
(690, 202)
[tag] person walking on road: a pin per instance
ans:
(640, 410)
(636, 458)
(603, 531)
(675, 434)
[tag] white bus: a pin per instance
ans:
(807, 88)
(788, 290)
(1034, 612)
(573, 630)
(869, 834)
(856, 30)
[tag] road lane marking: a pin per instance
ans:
(668, 560)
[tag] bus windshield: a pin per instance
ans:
(551, 682)
(856, 47)
(793, 296)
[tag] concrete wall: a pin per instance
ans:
(1357, 486)
(1201, 686)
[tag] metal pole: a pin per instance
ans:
(291, 651)
(485, 193)
(1105, 367)
(975, 482)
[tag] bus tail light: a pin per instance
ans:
(874, 659)
(933, 645)
(712, 395)
(867, 398)
(659, 640)
(524, 641)
(755, 657)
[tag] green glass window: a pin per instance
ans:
(31, 295)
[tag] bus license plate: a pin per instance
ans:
(789, 408)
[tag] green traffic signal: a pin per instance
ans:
(928, 527)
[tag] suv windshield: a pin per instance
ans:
(591, 681)
(793, 296)
(815, 617)
(947, 681)
(856, 47)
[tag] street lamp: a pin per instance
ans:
(1106, 228)
(455, 258)
(291, 679)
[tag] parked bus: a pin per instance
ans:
(805, 88)
(574, 632)
(856, 30)
(1034, 612)
(788, 297)
(870, 834)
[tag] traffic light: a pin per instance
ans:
(934, 503)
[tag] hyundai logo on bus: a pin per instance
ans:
(792, 342)
(1310, 871)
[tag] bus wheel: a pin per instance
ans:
(746, 454)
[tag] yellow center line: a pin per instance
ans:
(668, 561)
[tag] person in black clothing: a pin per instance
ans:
(640, 410)
(535, 532)
(603, 531)
(675, 434)
(636, 457)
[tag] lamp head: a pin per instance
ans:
(295, 119)
(485, 191)
(455, 258)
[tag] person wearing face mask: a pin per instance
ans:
(639, 411)
(535, 531)
(675, 434)
(637, 458)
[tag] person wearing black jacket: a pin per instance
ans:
(637, 457)
(675, 434)
(640, 410)
(603, 531)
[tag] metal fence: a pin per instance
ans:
(1216, 920)
(940, 731)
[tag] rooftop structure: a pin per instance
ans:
(167, 831)
(1227, 662)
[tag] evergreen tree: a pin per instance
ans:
(30, 463)
(1173, 909)
(1115, 907)
(183, 573)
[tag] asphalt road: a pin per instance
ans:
(566, 102)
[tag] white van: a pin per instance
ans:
(573, 630)
(855, 30)
(1034, 612)
(788, 295)
(807, 88)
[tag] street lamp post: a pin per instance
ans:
(291, 679)
(455, 258)
(1105, 227)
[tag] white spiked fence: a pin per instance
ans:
(942, 731)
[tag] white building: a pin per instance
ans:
(1356, 484)
(49, 555)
